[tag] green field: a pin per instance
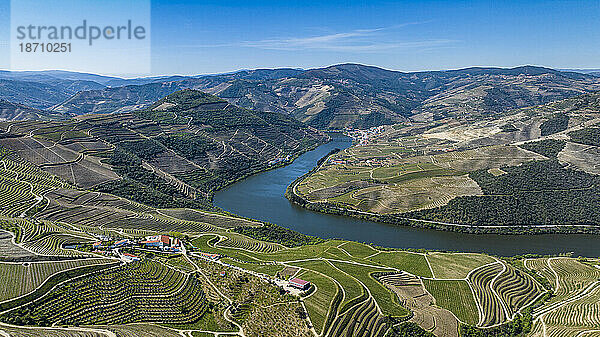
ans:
(455, 296)
(319, 303)
(410, 262)
(456, 266)
(386, 300)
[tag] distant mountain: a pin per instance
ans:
(476, 92)
(583, 71)
(13, 111)
(43, 89)
(345, 95)
(38, 95)
(41, 76)
(121, 82)
(356, 95)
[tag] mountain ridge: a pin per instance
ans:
(354, 95)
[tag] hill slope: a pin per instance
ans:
(175, 153)
(528, 167)
(12, 111)
(42, 92)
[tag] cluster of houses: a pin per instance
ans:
(167, 243)
(161, 242)
(280, 160)
(363, 137)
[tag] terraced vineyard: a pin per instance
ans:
(17, 279)
(521, 167)
(494, 310)
(473, 289)
(427, 312)
(248, 244)
(148, 291)
(372, 182)
(516, 289)
(572, 276)
(174, 154)
(575, 310)
(581, 313)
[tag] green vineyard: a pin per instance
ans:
(493, 309)
(147, 291)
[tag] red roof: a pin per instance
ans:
(165, 239)
(212, 256)
(299, 282)
(130, 255)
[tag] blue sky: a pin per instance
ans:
(197, 37)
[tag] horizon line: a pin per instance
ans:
(142, 76)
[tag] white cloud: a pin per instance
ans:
(360, 40)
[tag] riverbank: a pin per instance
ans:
(261, 197)
(397, 219)
(266, 169)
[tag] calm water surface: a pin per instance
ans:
(261, 197)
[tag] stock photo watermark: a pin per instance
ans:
(89, 36)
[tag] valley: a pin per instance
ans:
(166, 216)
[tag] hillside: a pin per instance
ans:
(175, 153)
(42, 91)
(357, 96)
(118, 99)
(78, 262)
(82, 201)
(12, 111)
(532, 167)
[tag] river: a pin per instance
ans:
(262, 197)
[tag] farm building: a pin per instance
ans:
(130, 257)
(210, 256)
(121, 243)
(163, 242)
(97, 245)
(298, 283)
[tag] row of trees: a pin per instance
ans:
(277, 234)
